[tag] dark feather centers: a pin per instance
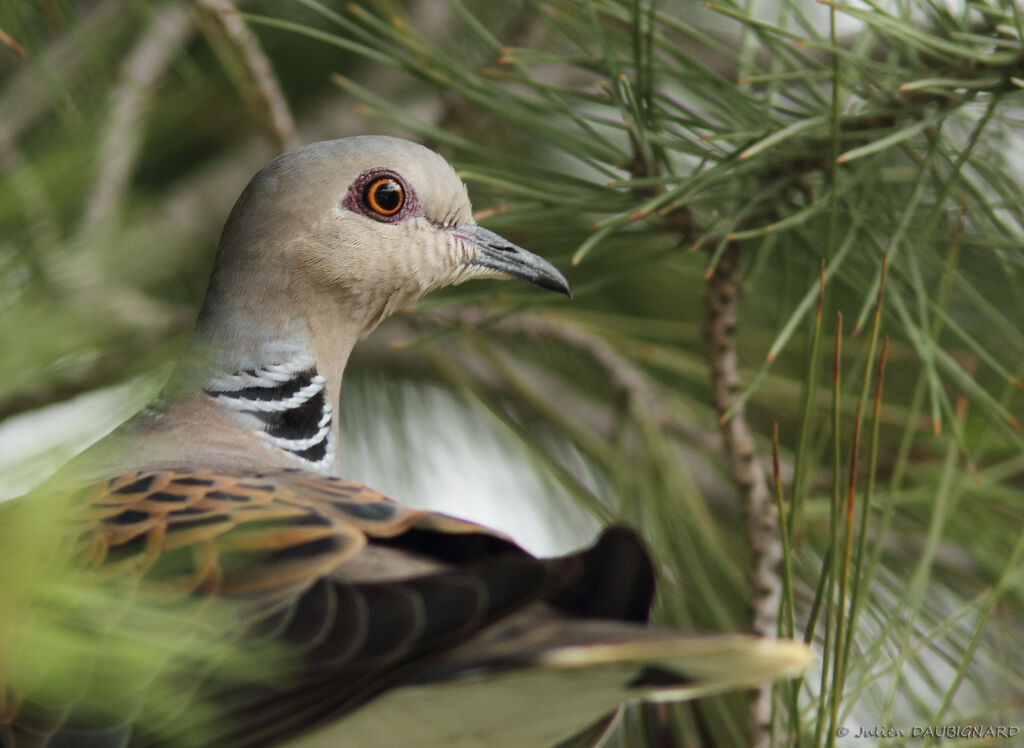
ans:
(191, 480)
(305, 551)
(138, 486)
(168, 498)
(128, 517)
(227, 496)
(377, 511)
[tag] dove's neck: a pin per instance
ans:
(278, 380)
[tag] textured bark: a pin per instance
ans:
(722, 304)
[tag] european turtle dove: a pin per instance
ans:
(402, 627)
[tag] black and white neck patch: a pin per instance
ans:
(288, 403)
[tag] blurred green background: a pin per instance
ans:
(694, 168)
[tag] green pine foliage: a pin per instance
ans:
(861, 160)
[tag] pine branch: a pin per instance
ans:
(722, 312)
(242, 55)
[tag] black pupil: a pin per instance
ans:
(387, 196)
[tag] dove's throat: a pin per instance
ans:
(277, 383)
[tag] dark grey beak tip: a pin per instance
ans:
(550, 283)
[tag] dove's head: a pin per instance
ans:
(352, 230)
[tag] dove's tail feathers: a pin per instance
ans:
(645, 663)
(564, 674)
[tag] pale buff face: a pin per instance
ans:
(380, 262)
(312, 235)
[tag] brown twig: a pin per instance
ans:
(25, 98)
(12, 44)
(26, 95)
(119, 147)
(121, 138)
(242, 56)
(722, 305)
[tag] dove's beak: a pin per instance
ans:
(501, 255)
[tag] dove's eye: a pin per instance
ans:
(384, 196)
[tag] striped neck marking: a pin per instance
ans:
(288, 404)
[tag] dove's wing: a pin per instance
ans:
(364, 592)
